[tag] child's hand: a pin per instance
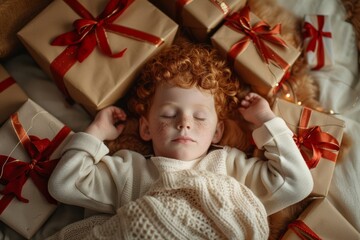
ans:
(108, 123)
(256, 110)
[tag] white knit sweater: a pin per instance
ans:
(87, 177)
(187, 204)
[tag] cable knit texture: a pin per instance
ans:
(187, 204)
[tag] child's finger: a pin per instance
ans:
(120, 127)
(119, 114)
(244, 103)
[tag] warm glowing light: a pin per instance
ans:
(288, 95)
(299, 102)
(331, 111)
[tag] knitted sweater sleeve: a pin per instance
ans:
(87, 177)
(281, 179)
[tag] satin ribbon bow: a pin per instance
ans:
(320, 144)
(259, 34)
(303, 231)
(90, 31)
(317, 36)
(16, 172)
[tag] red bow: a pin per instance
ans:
(16, 172)
(7, 82)
(303, 231)
(316, 36)
(90, 31)
(258, 34)
(318, 142)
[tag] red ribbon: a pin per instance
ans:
(321, 144)
(89, 32)
(16, 172)
(7, 82)
(303, 231)
(286, 77)
(317, 36)
(258, 34)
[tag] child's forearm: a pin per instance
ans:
(282, 178)
(76, 178)
(287, 172)
(87, 176)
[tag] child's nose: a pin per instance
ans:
(184, 122)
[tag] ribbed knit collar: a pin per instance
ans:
(164, 164)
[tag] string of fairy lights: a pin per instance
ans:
(286, 92)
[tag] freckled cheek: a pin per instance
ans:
(204, 129)
(162, 128)
(202, 125)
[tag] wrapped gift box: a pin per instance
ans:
(104, 75)
(315, 133)
(318, 42)
(321, 220)
(11, 95)
(30, 148)
(249, 43)
(199, 18)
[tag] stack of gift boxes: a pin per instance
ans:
(94, 50)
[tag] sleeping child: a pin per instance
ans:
(190, 187)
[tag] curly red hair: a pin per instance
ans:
(187, 65)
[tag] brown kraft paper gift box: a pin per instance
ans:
(19, 158)
(11, 95)
(101, 78)
(248, 43)
(321, 131)
(199, 18)
(321, 220)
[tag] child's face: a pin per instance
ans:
(182, 123)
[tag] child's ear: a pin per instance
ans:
(144, 129)
(218, 132)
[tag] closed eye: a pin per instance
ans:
(200, 118)
(200, 115)
(168, 116)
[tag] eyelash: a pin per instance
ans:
(196, 118)
(168, 116)
(200, 119)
